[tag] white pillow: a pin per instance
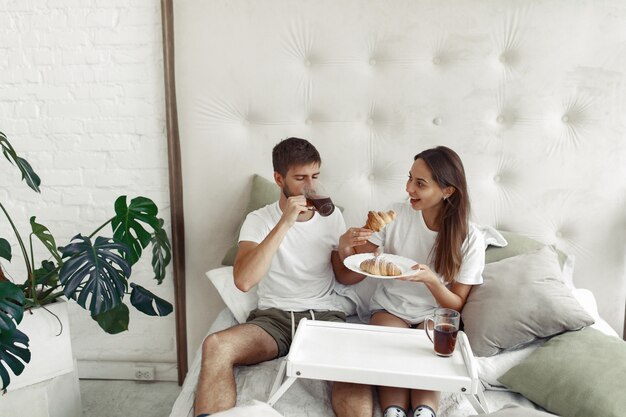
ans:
(257, 409)
(490, 368)
(238, 302)
(588, 301)
(492, 236)
(242, 303)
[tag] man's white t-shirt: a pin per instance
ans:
(300, 276)
(409, 236)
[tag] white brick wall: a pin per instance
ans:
(81, 98)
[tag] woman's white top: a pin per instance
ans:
(300, 276)
(409, 236)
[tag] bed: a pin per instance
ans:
(530, 94)
(311, 398)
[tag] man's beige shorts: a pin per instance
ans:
(278, 323)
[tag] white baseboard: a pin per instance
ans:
(163, 371)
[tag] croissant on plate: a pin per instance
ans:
(376, 220)
(379, 266)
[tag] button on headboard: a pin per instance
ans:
(530, 94)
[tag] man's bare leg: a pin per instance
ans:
(352, 400)
(244, 344)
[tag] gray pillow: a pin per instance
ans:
(523, 298)
(576, 374)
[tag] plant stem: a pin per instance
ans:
(33, 284)
(101, 227)
(22, 247)
(52, 297)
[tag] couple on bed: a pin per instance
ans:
(290, 252)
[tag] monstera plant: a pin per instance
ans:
(93, 270)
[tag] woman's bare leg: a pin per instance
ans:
(389, 396)
(422, 397)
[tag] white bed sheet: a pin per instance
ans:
(309, 398)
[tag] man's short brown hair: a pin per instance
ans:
(293, 151)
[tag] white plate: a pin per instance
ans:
(352, 262)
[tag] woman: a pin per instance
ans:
(432, 228)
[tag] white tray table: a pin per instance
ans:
(377, 355)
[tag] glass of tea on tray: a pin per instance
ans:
(445, 325)
(318, 199)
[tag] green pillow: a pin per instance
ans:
(576, 374)
(263, 192)
(516, 245)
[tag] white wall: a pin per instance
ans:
(530, 94)
(81, 98)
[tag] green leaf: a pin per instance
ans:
(45, 237)
(128, 225)
(161, 252)
(94, 274)
(114, 321)
(11, 306)
(145, 301)
(14, 353)
(28, 174)
(47, 275)
(5, 249)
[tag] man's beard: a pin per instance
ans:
(287, 192)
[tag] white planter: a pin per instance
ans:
(51, 355)
(48, 387)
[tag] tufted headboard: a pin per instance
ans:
(531, 94)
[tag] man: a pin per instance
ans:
(284, 249)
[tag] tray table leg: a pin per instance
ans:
(476, 396)
(479, 402)
(283, 388)
(279, 376)
(279, 387)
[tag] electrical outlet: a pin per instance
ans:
(144, 373)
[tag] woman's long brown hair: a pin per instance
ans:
(447, 170)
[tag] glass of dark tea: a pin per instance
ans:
(318, 199)
(445, 326)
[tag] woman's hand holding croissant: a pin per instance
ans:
(376, 220)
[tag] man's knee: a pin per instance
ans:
(215, 347)
(345, 394)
